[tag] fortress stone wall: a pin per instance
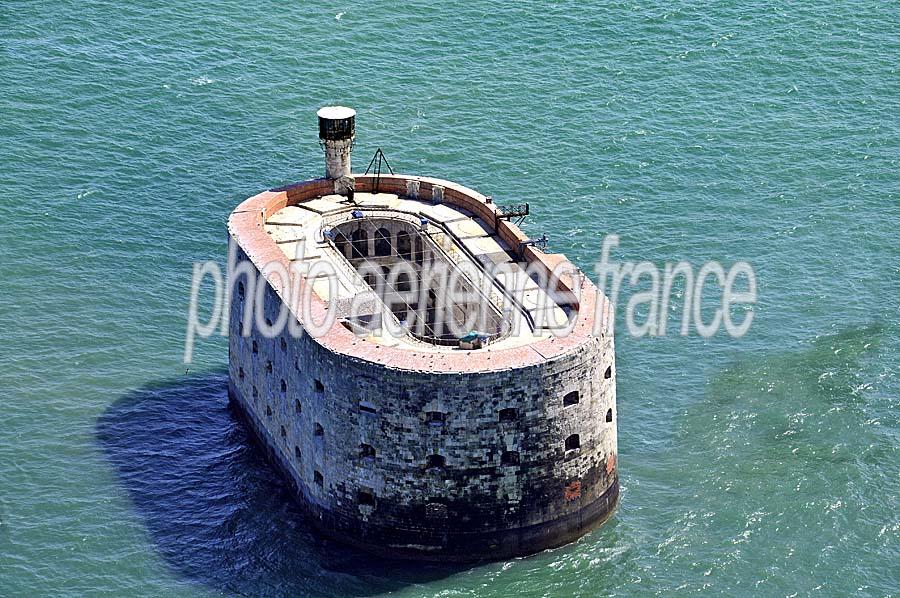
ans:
(471, 455)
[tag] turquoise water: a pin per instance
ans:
(765, 465)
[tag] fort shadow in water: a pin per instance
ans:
(217, 511)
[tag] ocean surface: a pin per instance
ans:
(768, 132)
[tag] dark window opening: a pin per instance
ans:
(435, 417)
(360, 243)
(435, 462)
(320, 388)
(241, 373)
(317, 477)
(319, 430)
(509, 414)
(403, 283)
(283, 432)
(608, 373)
(297, 452)
(404, 245)
(297, 406)
(365, 497)
(573, 442)
(269, 367)
(283, 386)
(255, 347)
(269, 410)
(255, 393)
(240, 290)
(509, 458)
(382, 242)
(608, 415)
(366, 451)
(283, 346)
(570, 399)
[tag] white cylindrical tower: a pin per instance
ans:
(337, 130)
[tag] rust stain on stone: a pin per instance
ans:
(573, 490)
(610, 464)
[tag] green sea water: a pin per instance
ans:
(764, 131)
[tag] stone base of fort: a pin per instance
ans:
(422, 539)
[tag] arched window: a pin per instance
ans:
(570, 399)
(608, 415)
(382, 242)
(435, 462)
(298, 406)
(318, 479)
(283, 386)
(403, 283)
(297, 452)
(366, 451)
(360, 244)
(608, 373)
(318, 430)
(255, 347)
(404, 246)
(573, 442)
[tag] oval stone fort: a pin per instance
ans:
(431, 382)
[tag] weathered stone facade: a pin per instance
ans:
(416, 458)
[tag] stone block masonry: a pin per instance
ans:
(473, 455)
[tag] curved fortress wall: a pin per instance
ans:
(405, 459)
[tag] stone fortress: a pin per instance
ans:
(400, 434)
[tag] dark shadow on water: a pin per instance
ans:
(217, 511)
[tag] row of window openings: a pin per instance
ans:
(432, 462)
(383, 247)
(509, 414)
(432, 417)
(255, 345)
